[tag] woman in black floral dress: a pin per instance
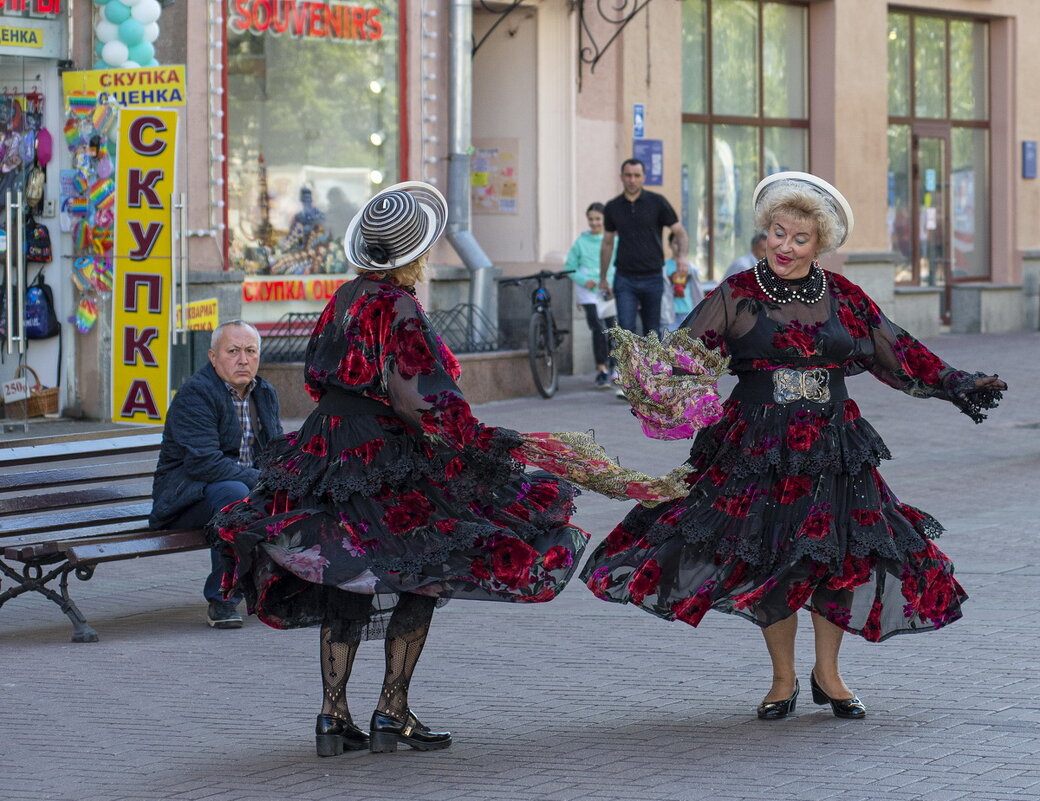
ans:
(786, 507)
(391, 496)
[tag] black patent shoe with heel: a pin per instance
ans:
(775, 710)
(334, 735)
(851, 708)
(387, 732)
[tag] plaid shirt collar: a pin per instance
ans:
(245, 448)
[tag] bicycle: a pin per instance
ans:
(543, 336)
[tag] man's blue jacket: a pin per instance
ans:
(201, 441)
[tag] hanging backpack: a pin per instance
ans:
(34, 185)
(40, 320)
(37, 241)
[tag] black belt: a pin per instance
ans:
(789, 384)
(338, 403)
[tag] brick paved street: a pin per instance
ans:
(576, 699)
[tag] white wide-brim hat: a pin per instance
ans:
(396, 226)
(829, 194)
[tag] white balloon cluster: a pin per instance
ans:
(126, 31)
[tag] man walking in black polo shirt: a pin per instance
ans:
(638, 217)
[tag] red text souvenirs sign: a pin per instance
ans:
(33, 28)
(307, 18)
(42, 7)
(143, 311)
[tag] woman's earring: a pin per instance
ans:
(814, 264)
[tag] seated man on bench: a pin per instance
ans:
(216, 426)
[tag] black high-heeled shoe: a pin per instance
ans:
(334, 735)
(774, 710)
(851, 708)
(387, 732)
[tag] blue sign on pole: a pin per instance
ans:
(651, 153)
(638, 120)
(1029, 159)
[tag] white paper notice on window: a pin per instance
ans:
(15, 390)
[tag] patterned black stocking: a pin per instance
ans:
(405, 637)
(337, 659)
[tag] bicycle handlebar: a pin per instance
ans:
(539, 276)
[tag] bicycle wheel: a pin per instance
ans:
(541, 350)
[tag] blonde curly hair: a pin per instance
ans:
(795, 199)
(407, 275)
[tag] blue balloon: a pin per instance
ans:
(116, 13)
(100, 2)
(101, 64)
(153, 63)
(131, 32)
(98, 47)
(142, 52)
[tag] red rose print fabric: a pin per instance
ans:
(408, 493)
(786, 507)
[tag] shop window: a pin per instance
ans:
(783, 57)
(970, 190)
(313, 129)
(695, 56)
(899, 205)
(938, 148)
(930, 67)
(899, 65)
(745, 115)
(735, 57)
(968, 57)
(735, 157)
(696, 205)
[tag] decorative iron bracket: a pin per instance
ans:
(33, 579)
(614, 12)
(502, 13)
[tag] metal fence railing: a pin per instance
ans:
(464, 329)
(286, 340)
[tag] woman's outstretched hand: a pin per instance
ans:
(990, 382)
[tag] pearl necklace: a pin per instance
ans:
(780, 291)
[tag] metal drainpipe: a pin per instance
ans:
(460, 120)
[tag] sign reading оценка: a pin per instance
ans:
(131, 87)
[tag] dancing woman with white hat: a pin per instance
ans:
(391, 496)
(786, 508)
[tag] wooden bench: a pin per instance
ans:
(67, 506)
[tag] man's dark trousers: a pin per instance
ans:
(639, 292)
(217, 496)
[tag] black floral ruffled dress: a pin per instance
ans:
(786, 506)
(391, 485)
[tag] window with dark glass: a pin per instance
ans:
(745, 116)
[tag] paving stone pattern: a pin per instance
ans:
(576, 699)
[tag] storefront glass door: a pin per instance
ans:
(29, 103)
(931, 190)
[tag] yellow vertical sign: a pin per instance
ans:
(141, 324)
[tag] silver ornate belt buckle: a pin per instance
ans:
(791, 385)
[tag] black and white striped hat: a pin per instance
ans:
(396, 226)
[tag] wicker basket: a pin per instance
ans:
(42, 400)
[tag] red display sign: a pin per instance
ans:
(288, 289)
(35, 6)
(307, 18)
